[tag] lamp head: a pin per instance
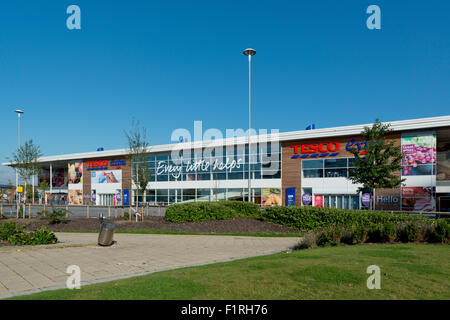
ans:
(249, 52)
(18, 111)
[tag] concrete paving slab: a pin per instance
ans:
(25, 270)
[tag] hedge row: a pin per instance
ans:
(312, 218)
(431, 231)
(216, 210)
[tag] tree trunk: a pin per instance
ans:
(374, 200)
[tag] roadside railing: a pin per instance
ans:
(81, 211)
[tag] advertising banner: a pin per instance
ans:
(75, 182)
(75, 172)
(271, 197)
(443, 161)
(419, 154)
(318, 201)
(106, 176)
(307, 199)
(418, 199)
(365, 199)
(75, 196)
(126, 197)
(290, 196)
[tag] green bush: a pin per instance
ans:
(215, 210)
(312, 218)
(8, 229)
(411, 231)
(55, 216)
(15, 235)
(439, 232)
(126, 215)
(41, 236)
(408, 232)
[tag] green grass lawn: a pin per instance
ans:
(408, 271)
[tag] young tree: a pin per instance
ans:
(379, 164)
(44, 186)
(25, 160)
(138, 152)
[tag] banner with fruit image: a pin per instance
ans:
(419, 155)
(271, 197)
(75, 184)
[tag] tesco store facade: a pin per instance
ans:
(308, 167)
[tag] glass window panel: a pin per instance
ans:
(219, 176)
(218, 194)
(313, 173)
(332, 201)
(203, 194)
(336, 163)
(326, 201)
(151, 195)
(189, 177)
(162, 177)
(188, 194)
(351, 162)
(162, 157)
(355, 202)
(339, 201)
(335, 173)
(346, 202)
(312, 164)
(235, 175)
(203, 176)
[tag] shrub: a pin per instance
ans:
(126, 215)
(215, 210)
(56, 216)
(380, 233)
(8, 229)
(439, 232)
(15, 235)
(329, 236)
(353, 235)
(310, 218)
(307, 241)
(408, 232)
(41, 236)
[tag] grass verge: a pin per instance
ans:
(408, 271)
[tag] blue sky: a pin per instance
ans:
(168, 63)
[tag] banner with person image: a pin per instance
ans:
(106, 176)
(75, 182)
(418, 199)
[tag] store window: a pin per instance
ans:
(328, 168)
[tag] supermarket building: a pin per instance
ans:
(308, 167)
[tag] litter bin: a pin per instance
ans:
(105, 237)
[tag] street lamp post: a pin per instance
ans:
(249, 52)
(19, 112)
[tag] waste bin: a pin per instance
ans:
(105, 237)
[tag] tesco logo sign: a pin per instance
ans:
(104, 164)
(313, 150)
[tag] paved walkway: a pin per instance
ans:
(32, 269)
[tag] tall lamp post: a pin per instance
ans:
(19, 112)
(249, 52)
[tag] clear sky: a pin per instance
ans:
(168, 63)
